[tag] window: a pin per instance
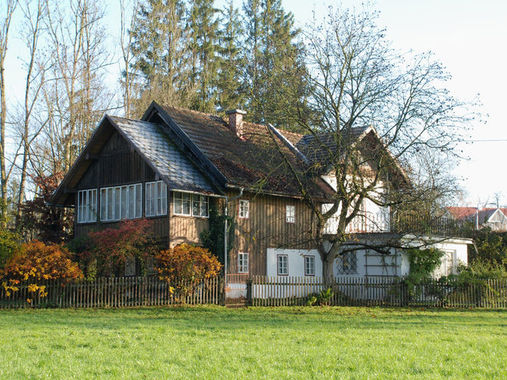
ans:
(190, 204)
(348, 263)
(282, 265)
(449, 263)
(242, 262)
(156, 198)
(309, 265)
(121, 202)
(290, 214)
(87, 206)
(244, 209)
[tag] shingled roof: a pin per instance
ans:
(213, 157)
(253, 161)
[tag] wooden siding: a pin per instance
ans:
(266, 228)
(118, 164)
(185, 229)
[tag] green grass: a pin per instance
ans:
(214, 342)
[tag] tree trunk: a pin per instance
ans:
(328, 270)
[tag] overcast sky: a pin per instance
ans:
(468, 36)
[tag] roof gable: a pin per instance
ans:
(150, 142)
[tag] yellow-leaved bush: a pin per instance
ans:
(185, 266)
(36, 263)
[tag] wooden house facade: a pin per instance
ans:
(173, 165)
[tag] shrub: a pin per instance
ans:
(184, 266)
(322, 298)
(9, 246)
(109, 249)
(36, 263)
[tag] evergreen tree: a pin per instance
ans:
(158, 45)
(231, 92)
(275, 69)
(203, 45)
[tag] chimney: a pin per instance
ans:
(236, 121)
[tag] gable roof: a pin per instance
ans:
(321, 148)
(174, 141)
(151, 143)
(253, 162)
(470, 213)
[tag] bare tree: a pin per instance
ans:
(374, 110)
(5, 23)
(33, 12)
(75, 96)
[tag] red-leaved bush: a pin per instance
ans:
(110, 248)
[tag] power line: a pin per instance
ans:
(490, 140)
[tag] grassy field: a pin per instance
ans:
(214, 342)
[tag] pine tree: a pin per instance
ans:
(203, 46)
(231, 92)
(158, 43)
(275, 69)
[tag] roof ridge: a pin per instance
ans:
(195, 111)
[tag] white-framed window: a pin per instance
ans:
(244, 209)
(155, 198)
(282, 265)
(190, 204)
(290, 214)
(87, 206)
(309, 265)
(121, 202)
(243, 264)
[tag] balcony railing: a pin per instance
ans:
(385, 223)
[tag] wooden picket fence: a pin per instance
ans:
(379, 291)
(115, 292)
(264, 291)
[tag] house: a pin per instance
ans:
(494, 218)
(174, 165)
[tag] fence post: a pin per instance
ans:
(249, 292)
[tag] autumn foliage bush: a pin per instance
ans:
(185, 266)
(109, 249)
(37, 263)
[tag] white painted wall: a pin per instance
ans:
(296, 261)
(370, 262)
(375, 218)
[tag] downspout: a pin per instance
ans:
(227, 199)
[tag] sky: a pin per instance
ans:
(468, 36)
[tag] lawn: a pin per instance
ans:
(214, 342)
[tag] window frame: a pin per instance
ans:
(179, 196)
(241, 209)
(305, 267)
(242, 264)
(155, 199)
(90, 205)
(290, 217)
(278, 257)
(116, 194)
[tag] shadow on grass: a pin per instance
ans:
(229, 320)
